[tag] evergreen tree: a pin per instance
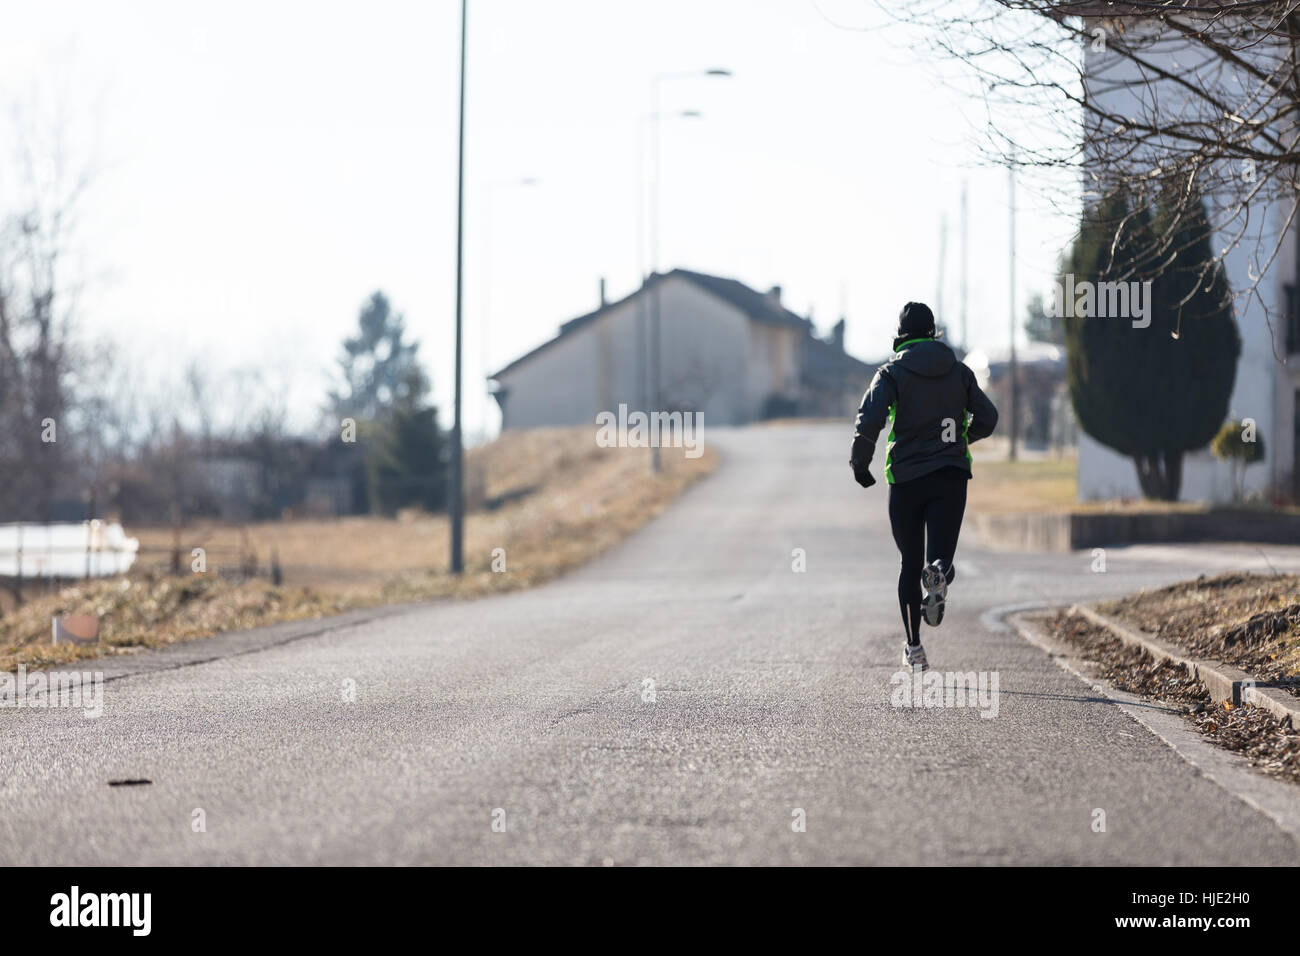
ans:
(407, 468)
(385, 390)
(378, 366)
(1238, 444)
(1157, 392)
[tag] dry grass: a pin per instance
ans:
(1137, 505)
(554, 500)
(1251, 621)
(1004, 487)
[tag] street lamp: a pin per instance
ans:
(490, 192)
(642, 392)
(654, 236)
(1011, 260)
(455, 504)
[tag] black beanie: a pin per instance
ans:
(916, 321)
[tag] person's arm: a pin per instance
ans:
(872, 415)
(984, 416)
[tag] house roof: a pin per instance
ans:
(757, 305)
(823, 361)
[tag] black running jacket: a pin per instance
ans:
(934, 409)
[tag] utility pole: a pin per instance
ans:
(1013, 371)
(642, 396)
(965, 328)
(655, 396)
(456, 504)
(943, 259)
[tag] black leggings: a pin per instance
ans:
(925, 515)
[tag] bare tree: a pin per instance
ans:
(1166, 101)
(37, 302)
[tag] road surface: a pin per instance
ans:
(770, 704)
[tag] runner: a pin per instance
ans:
(934, 409)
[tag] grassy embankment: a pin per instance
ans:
(1251, 621)
(554, 500)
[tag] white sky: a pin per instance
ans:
(265, 166)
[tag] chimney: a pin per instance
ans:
(603, 301)
(774, 294)
(837, 334)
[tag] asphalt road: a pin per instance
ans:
(771, 701)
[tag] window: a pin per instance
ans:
(1292, 320)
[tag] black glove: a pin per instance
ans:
(862, 475)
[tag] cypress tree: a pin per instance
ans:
(1152, 393)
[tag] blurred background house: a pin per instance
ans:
(1046, 417)
(735, 354)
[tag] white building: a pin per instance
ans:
(735, 354)
(1266, 390)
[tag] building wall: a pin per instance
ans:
(703, 348)
(556, 387)
(1104, 474)
(1282, 457)
(775, 360)
(713, 358)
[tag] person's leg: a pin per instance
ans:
(907, 521)
(944, 510)
(944, 506)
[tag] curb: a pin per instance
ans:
(1222, 681)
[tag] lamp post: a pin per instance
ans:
(655, 383)
(642, 393)
(1013, 371)
(456, 504)
(485, 322)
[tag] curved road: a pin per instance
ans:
(771, 698)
